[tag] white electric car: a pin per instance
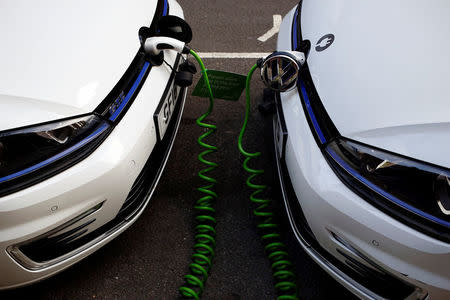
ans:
(363, 143)
(86, 126)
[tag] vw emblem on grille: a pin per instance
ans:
(279, 72)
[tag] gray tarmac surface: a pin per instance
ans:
(148, 261)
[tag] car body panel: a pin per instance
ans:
(65, 63)
(330, 206)
(105, 176)
(384, 79)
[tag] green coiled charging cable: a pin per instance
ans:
(205, 231)
(282, 269)
(204, 248)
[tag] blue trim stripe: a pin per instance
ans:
(312, 117)
(138, 79)
(66, 152)
(380, 191)
(294, 31)
(130, 92)
(165, 8)
(311, 113)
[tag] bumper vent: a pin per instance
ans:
(43, 250)
(374, 276)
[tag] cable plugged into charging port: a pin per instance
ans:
(279, 72)
(154, 45)
(171, 33)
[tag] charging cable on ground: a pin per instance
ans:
(283, 75)
(205, 231)
(282, 269)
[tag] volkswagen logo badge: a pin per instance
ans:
(279, 72)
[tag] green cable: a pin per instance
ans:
(205, 231)
(282, 269)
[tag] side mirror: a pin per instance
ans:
(174, 27)
(279, 71)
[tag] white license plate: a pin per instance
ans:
(164, 112)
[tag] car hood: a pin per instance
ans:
(61, 58)
(385, 78)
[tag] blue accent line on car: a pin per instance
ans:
(294, 31)
(130, 92)
(138, 79)
(302, 86)
(75, 147)
(165, 8)
(380, 191)
(311, 113)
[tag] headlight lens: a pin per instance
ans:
(411, 188)
(34, 153)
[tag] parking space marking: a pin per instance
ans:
(233, 54)
(272, 31)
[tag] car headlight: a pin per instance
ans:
(417, 192)
(411, 191)
(33, 153)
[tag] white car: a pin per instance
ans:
(363, 142)
(86, 127)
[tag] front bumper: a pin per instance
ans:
(370, 253)
(87, 205)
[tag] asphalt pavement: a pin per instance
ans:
(148, 261)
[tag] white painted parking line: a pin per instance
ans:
(271, 32)
(233, 54)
